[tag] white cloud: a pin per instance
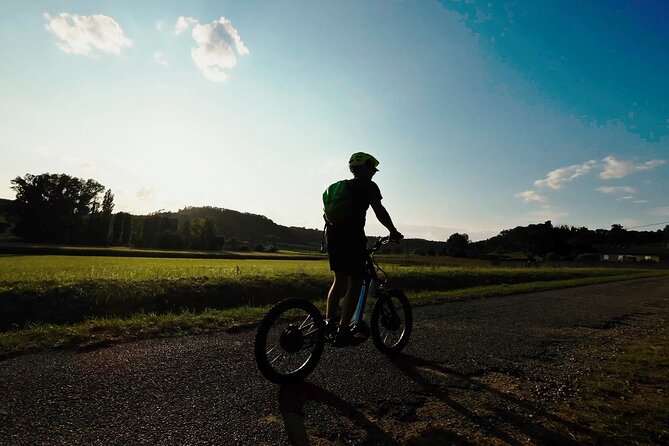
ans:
(529, 196)
(557, 178)
(183, 23)
(218, 46)
(616, 190)
(615, 168)
(83, 34)
(612, 168)
(159, 25)
(640, 201)
(159, 58)
(146, 193)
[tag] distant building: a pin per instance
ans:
(629, 258)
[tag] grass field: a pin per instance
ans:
(41, 270)
(15, 270)
(627, 402)
(119, 297)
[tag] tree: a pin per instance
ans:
(618, 235)
(4, 224)
(108, 203)
(169, 240)
(533, 240)
(157, 231)
(456, 245)
(121, 228)
(54, 207)
(107, 209)
(204, 235)
(184, 231)
(232, 243)
(99, 223)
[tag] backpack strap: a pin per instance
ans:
(324, 242)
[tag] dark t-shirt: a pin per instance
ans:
(347, 242)
(363, 192)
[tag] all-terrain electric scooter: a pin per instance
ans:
(291, 337)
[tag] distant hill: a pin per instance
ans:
(252, 228)
(255, 228)
(246, 228)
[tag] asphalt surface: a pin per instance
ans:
(458, 381)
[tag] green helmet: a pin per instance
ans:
(363, 159)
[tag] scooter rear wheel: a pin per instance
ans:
(289, 341)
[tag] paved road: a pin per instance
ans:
(482, 370)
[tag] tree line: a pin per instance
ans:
(548, 242)
(545, 241)
(58, 208)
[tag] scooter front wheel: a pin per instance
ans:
(391, 321)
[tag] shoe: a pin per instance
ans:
(346, 339)
(330, 331)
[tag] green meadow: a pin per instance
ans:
(126, 297)
(69, 269)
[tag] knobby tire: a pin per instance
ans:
(261, 353)
(401, 304)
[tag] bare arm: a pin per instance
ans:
(384, 218)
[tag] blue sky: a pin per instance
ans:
(484, 115)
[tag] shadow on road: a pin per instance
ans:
(292, 400)
(509, 412)
(494, 413)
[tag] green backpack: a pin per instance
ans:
(337, 203)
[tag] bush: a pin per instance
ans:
(551, 256)
(170, 240)
(587, 257)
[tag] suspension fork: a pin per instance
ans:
(362, 300)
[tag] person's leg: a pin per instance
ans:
(350, 301)
(356, 268)
(334, 295)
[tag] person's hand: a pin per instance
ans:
(395, 236)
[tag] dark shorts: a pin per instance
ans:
(347, 251)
